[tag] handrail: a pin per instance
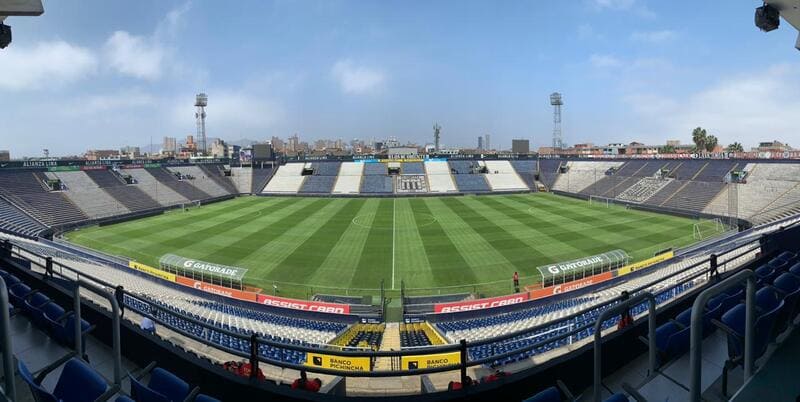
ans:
(115, 325)
(5, 329)
(624, 306)
(696, 340)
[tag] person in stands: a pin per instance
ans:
(120, 296)
(304, 383)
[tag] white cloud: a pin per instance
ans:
(118, 101)
(136, 56)
(604, 61)
(614, 4)
(45, 65)
(623, 5)
(764, 105)
(357, 79)
(148, 56)
(661, 36)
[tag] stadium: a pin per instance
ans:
(470, 276)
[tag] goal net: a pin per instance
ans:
(707, 228)
(190, 205)
(600, 201)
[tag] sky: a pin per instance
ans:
(97, 74)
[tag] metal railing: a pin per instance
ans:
(5, 329)
(651, 335)
(696, 339)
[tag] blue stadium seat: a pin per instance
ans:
(32, 303)
(551, 394)
(50, 312)
(78, 383)
(789, 287)
(733, 323)
(17, 293)
(162, 387)
(205, 398)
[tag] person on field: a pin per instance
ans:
(516, 282)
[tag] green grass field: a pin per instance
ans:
(340, 245)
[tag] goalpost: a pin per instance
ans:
(190, 205)
(707, 228)
(601, 201)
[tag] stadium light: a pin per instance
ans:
(5, 35)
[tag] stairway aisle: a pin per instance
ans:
(391, 341)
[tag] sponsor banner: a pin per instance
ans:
(480, 304)
(430, 361)
(600, 262)
(644, 263)
(216, 289)
(131, 166)
(152, 271)
(570, 286)
(178, 263)
(304, 305)
(94, 167)
(344, 363)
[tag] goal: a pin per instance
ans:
(190, 205)
(601, 201)
(707, 228)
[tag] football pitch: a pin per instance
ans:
(307, 245)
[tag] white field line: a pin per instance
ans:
(394, 224)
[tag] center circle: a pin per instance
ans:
(368, 221)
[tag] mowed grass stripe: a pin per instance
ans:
(148, 246)
(340, 266)
(214, 237)
(546, 237)
(503, 216)
(307, 258)
(175, 220)
(482, 258)
(282, 221)
(448, 265)
(513, 250)
(376, 260)
(273, 253)
(411, 259)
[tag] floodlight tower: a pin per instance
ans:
(437, 129)
(201, 101)
(555, 100)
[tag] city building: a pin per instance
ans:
(98, 154)
(5, 156)
(480, 143)
(130, 152)
(772, 146)
(169, 146)
(219, 149)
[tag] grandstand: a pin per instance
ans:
(287, 179)
(349, 179)
(439, 178)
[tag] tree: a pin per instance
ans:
(699, 137)
(667, 149)
(711, 142)
(735, 147)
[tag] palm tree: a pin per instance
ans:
(735, 147)
(699, 137)
(711, 142)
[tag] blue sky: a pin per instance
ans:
(102, 74)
